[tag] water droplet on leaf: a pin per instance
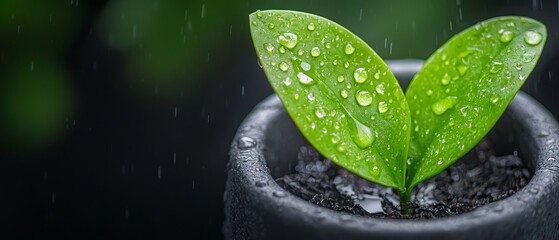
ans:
(343, 93)
(375, 171)
(380, 88)
(532, 38)
(462, 69)
(341, 78)
(288, 40)
(287, 81)
(360, 75)
(382, 107)
(311, 27)
(305, 66)
(506, 36)
(269, 47)
(304, 79)
(494, 99)
(496, 67)
(320, 113)
(310, 96)
(349, 49)
(528, 56)
(315, 51)
(446, 79)
(283, 66)
(335, 139)
(443, 105)
(360, 134)
(364, 98)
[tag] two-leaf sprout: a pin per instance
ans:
(350, 107)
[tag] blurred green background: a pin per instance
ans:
(117, 115)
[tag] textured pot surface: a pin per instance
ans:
(266, 146)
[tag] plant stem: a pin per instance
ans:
(405, 200)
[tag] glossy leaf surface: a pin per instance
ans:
(464, 88)
(339, 92)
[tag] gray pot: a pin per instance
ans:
(266, 145)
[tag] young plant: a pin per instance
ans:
(350, 107)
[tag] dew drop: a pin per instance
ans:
(446, 79)
(494, 99)
(532, 38)
(269, 47)
(311, 97)
(301, 52)
(429, 92)
(320, 113)
(271, 26)
(496, 67)
(518, 66)
(258, 14)
(382, 107)
(349, 49)
(305, 66)
(283, 66)
(327, 45)
(377, 75)
(335, 139)
(346, 65)
(282, 50)
(508, 74)
(440, 162)
(380, 88)
(341, 78)
(443, 105)
(360, 75)
(311, 27)
(315, 51)
(506, 36)
(462, 69)
(364, 98)
(288, 40)
(287, 81)
(343, 93)
(375, 171)
(341, 147)
(304, 79)
(360, 134)
(528, 56)
(246, 143)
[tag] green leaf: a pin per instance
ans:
(465, 87)
(339, 92)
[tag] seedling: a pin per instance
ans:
(350, 107)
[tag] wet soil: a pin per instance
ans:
(476, 179)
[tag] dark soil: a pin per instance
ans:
(475, 180)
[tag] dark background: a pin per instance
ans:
(117, 116)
